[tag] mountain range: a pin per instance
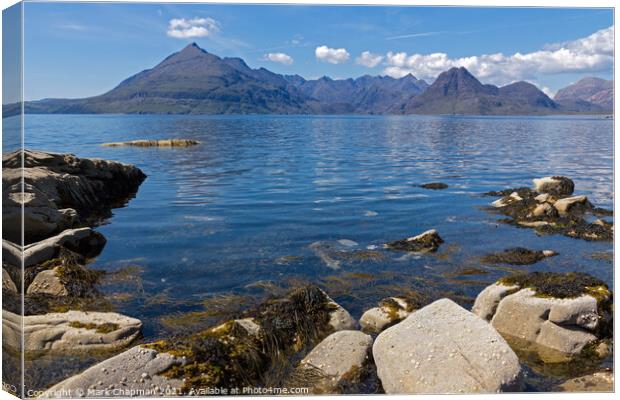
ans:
(194, 81)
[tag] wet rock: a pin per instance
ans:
(7, 283)
(73, 331)
(86, 186)
(507, 200)
(443, 348)
(337, 360)
(518, 256)
(434, 186)
(83, 241)
(555, 185)
(544, 210)
(425, 242)
(390, 311)
(339, 318)
(48, 282)
(563, 312)
(138, 370)
(571, 204)
(155, 143)
(602, 381)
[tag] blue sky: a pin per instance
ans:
(78, 50)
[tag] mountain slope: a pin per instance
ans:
(599, 92)
(456, 91)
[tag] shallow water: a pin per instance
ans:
(247, 204)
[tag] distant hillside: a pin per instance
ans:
(598, 92)
(456, 91)
(193, 81)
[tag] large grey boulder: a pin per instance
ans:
(443, 348)
(565, 325)
(133, 373)
(73, 331)
(555, 185)
(338, 358)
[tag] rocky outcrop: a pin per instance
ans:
(338, 360)
(390, 311)
(136, 372)
(597, 382)
(518, 256)
(58, 188)
(443, 348)
(562, 312)
(7, 282)
(426, 242)
(155, 143)
(551, 209)
(83, 241)
(73, 331)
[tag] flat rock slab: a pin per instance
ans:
(133, 373)
(596, 382)
(73, 331)
(443, 348)
(337, 358)
(84, 241)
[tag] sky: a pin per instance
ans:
(85, 49)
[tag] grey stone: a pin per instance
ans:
(581, 311)
(73, 331)
(558, 185)
(339, 318)
(443, 348)
(506, 200)
(7, 282)
(544, 209)
(487, 301)
(567, 204)
(84, 241)
(337, 358)
(133, 373)
(378, 318)
(602, 381)
(563, 339)
(47, 282)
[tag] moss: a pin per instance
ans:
(434, 186)
(559, 285)
(99, 328)
(514, 256)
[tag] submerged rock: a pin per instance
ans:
(555, 185)
(59, 187)
(434, 186)
(602, 381)
(135, 372)
(338, 360)
(518, 256)
(443, 348)
(73, 331)
(155, 143)
(390, 311)
(563, 312)
(425, 242)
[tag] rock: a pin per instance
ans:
(487, 301)
(443, 348)
(434, 186)
(87, 186)
(135, 372)
(507, 200)
(337, 359)
(571, 204)
(544, 210)
(545, 198)
(155, 143)
(533, 224)
(563, 312)
(47, 282)
(11, 253)
(7, 283)
(83, 241)
(339, 318)
(73, 331)
(556, 185)
(602, 381)
(425, 242)
(390, 311)
(518, 256)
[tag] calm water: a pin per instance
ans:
(218, 217)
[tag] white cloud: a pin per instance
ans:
(332, 56)
(368, 59)
(181, 28)
(281, 58)
(586, 55)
